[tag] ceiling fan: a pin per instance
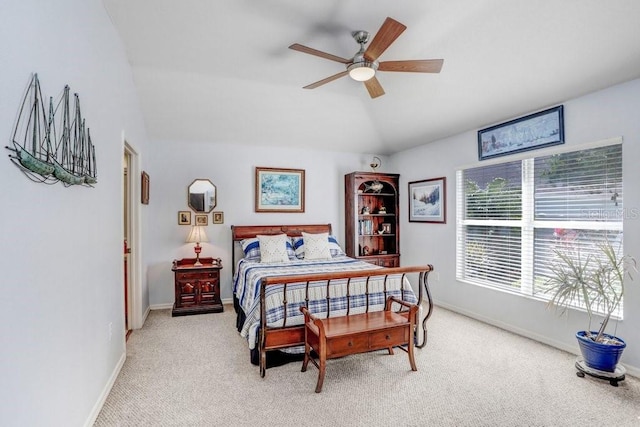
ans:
(364, 64)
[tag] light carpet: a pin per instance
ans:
(195, 371)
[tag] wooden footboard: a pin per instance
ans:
(273, 338)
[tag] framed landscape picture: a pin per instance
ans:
(279, 190)
(427, 200)
(542, 129)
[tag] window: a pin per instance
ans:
(512, 216)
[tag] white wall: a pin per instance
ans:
(608, 113)
(61, 251)
(232, 169)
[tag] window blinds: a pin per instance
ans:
(513, 215)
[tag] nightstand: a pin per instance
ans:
(197, 287)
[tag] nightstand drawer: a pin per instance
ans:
(193, 275)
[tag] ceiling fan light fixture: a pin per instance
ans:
(361, 71)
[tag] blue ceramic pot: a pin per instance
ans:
(603, 357)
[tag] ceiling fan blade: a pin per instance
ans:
(374, 87)
(413, 66)
(327, 80)
(387, 34)
(311, 51)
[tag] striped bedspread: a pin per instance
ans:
(246, 288)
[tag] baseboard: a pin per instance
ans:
(631, 370)
(95, 411)
(160, 306)
(145, 315)
(225, 301)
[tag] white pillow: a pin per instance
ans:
(251, 249)
(298, 247)
(273, 248)
(316, 246)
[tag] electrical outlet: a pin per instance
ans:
(436, 276)
(110, 330)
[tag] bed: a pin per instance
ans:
(268, 294)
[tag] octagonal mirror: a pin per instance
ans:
(201, 195)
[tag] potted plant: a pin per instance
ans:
(597, 281)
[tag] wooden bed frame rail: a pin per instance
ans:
(273, 338)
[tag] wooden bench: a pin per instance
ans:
(358, 333)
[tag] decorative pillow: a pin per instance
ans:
(334, 247)
(274, 248)
(298, 246)
(251, 249)
(316, 246)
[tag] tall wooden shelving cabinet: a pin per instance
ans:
(372, 220)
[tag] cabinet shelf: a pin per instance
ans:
(376, 194)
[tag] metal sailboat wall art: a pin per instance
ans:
(53, 146)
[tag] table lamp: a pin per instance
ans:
(196, 236)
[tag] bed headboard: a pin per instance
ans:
(240, 232)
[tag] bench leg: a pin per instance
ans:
(305, 361)
(263, 362)
(322, 364)
(412, 360)
(321, 371)
(390, 350)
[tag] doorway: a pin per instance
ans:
(130, 238)
(126, 227)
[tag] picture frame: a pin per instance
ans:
(218, 217)
(202, 220)
(279, 190)
(144, 188)
(184, 217)
(428, 200)
(538, 130)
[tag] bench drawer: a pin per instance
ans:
(350, 344)
(389, 337)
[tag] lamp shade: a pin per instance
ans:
(197, 235)
(362, 71)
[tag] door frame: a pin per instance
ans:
(134, 309)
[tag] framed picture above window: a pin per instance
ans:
(427, 200)
(279, 190)
(538, 130)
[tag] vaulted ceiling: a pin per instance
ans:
(221, 70)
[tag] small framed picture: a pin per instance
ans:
(184, 217)
(386, 228)
(202, 219)
(218, 217)
(427, 200)
(144, 188)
